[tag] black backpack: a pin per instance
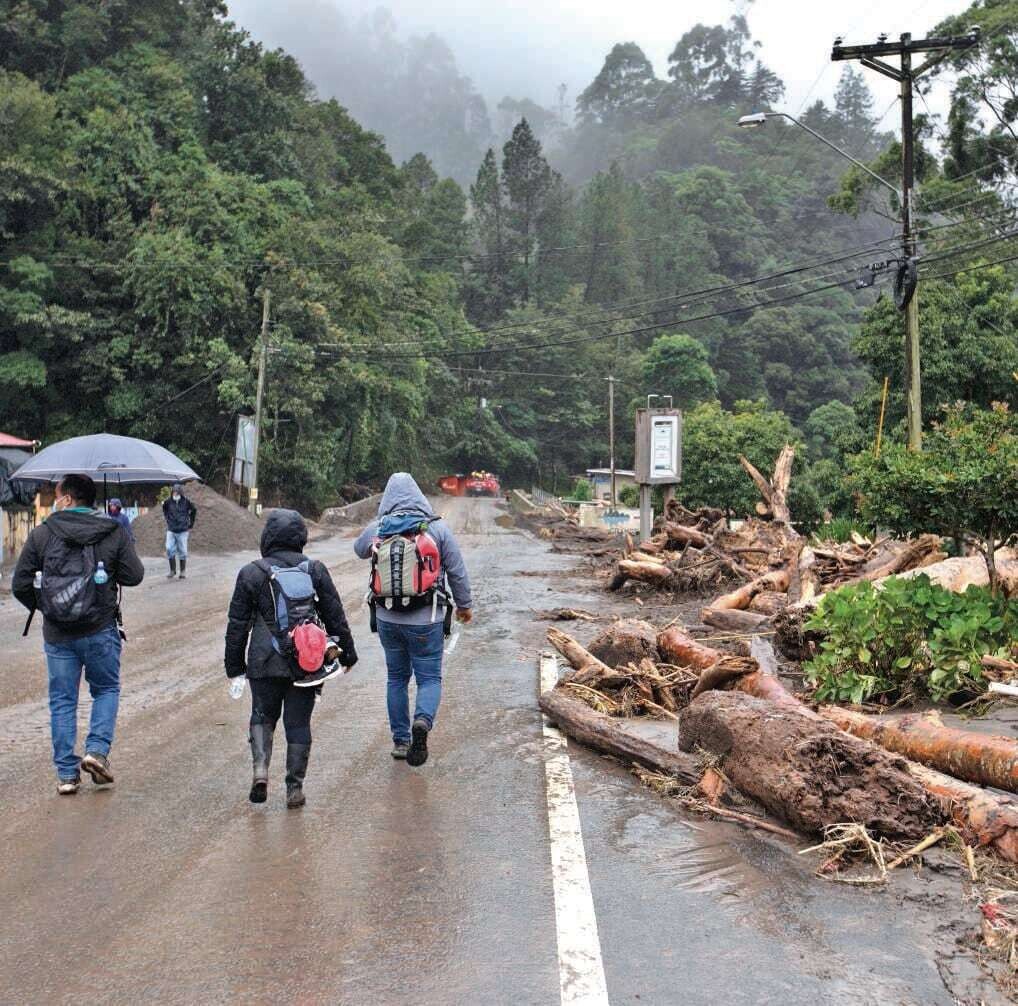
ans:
(69, 592)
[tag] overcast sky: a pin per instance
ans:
(527, 47)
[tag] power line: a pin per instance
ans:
(745, 308)
(622, 309)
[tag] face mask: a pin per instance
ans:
(56, 503)
(176, 496)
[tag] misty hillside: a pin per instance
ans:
(454, 295)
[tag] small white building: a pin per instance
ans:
(601, 481)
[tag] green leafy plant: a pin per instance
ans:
(583, 492)
(907, 638)
(629, 496)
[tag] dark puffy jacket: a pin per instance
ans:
(113, 547)
(251, 611)
(179, 514)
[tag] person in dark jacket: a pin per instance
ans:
(115, 509)
(179, 513)
(249, 651)
(75, 535)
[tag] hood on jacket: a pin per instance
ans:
(403, 495)
(81, 528)
(285, 531)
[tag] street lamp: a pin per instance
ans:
(760, 119)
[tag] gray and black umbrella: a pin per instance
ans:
(106, 458)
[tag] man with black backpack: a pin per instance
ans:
(71, 569)
(288, 633)
(415, 565)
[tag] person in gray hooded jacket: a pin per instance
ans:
(413, 640)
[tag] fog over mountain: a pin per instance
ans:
(415, 70)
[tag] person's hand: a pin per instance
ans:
(464, 616)
(348, 662)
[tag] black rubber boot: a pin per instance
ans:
(183, 567)
(173, 569)
(261, 755)
(296, 769)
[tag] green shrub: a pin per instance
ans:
(583, 492)
(629, 496)
(908, 638)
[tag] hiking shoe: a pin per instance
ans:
(399, 750)
(68, 787)
(295, 795)
(332, 670)
(417, 755)
(98, 767)
(259, 791)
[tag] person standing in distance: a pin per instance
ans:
(115, 510)
(71, 568)
(179, 513)
(413, 635)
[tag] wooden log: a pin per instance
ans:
(629, 641)
(980, 758)
(685, 535)
(576, 655)
(648, 572)
(676, 646)
(733, 620)
(768, 602)
(805, 770)
(603, 733)
(985, 818)
(774, 490)
(776, 580)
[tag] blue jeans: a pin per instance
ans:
(99, 656)
(412, 650)
(176, 544)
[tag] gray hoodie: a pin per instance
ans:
(402, 495)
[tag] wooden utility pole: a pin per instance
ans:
(611, 438)
(252, 499)
(870, 57)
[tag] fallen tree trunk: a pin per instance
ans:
(648, 572)
(776, 580)
(676, 646)
(984, 818)
(805, 770)
(601, 732)
(974, 757)
(733, 620)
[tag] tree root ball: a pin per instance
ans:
(625, 642)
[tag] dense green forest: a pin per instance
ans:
(159, 170)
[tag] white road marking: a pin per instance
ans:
(581, 971)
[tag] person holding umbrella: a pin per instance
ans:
(71, 568)
(179, 513)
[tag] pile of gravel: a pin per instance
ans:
(220, 527)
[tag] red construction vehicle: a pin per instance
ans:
(474, 484)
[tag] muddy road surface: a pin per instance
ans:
(396, 885)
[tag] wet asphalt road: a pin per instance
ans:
(392, 885)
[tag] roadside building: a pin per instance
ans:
(17, 502)
(600, 480)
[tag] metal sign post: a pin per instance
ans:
(658, 455)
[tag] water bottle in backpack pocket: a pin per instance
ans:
(70, 589)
